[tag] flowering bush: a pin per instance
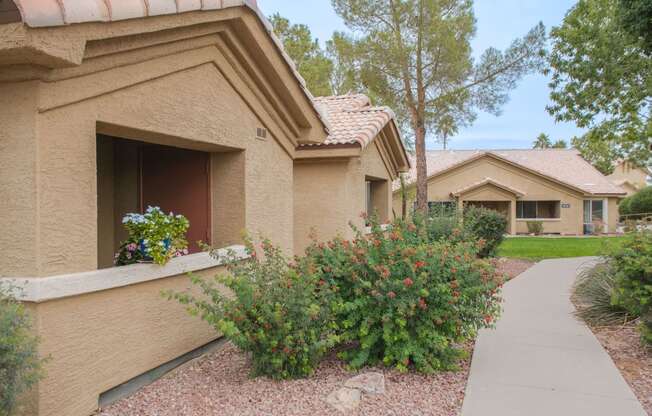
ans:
(404, 301)
(153, 236)
(20, 366)
(275, 313)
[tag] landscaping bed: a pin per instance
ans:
(402, 307)
(218, 384)
(512, 267)
(634, 361)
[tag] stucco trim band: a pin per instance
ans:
(42, 289)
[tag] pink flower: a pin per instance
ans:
(132, 247)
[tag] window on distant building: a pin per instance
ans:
(538, 209)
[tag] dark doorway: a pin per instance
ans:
(178, 180)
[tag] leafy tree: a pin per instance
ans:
(560, 144)
(342, 51)
(600, 153)
(311, 61)
(601, 78)
(636, 19)
(542, 142)
(415, 56)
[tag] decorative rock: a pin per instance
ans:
(370, 383)
(344, 399)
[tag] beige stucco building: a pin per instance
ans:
(630, 177)
(554, 186)
(361, 157)
(109, 106)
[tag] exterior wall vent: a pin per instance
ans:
(261, 133)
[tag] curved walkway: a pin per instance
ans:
(540, 360)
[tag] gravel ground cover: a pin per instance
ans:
(512, 267)
(632, 359)
(218, 384)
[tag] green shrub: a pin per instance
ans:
(646, 328)
(446, 225)
(403, 301)
(592, 293)
(632, 265)
(625, 206)
(20, 366)
(281, 317)
(487, 225)
(535, 227)
(641, 202)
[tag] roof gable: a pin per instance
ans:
(355, 123)
(485, 182)
(563, 166)
(52, 35)
(352, 119)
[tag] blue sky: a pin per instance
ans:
(498, 23)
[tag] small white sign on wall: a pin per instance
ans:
(565, 205)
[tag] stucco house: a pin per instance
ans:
(555, 186)
(362, 155)
(109, 106)
(630, 177)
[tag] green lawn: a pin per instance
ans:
(538, 248)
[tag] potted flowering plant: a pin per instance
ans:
(153, 237)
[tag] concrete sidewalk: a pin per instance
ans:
(540, 360)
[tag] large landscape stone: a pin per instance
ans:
(344, 399)
(370, 383)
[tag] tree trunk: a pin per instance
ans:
(422, 171)
(403, 197)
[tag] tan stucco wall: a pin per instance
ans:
(613, 214)
(196, 107)
(328, 194)
(626, 171)
(536, 189)
(100, 340)
(18, 181)
(70, 190)
(197, 87)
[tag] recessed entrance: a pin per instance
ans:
(133, 175)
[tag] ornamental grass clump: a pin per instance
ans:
(403, 301)
(268, 309)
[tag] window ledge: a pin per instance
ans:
(41, 289)
(539, 219)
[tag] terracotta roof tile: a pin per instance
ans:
(562, 165)
(352, 119)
